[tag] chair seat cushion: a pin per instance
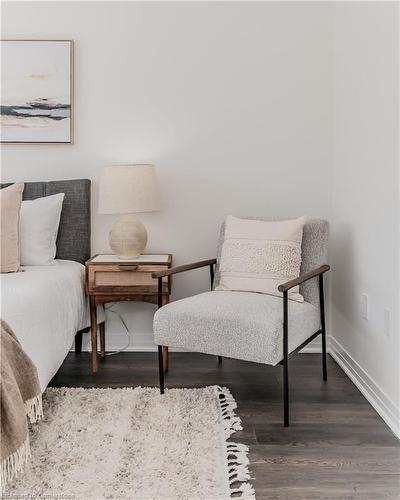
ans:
(240, 325)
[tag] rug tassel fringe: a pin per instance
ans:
(236, 453)
(246, 490)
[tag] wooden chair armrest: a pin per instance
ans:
(304, 277)
(181, 269)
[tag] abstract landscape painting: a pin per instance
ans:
(36, 91)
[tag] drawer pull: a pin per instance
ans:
(127, 267)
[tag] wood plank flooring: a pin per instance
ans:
(337, 446)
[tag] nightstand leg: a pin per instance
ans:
(93, 330)
(102, 328)
(165, 358)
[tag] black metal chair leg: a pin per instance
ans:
(78, 339)
(78, 342)
(323, 330)
(285, 395)
(160, 347)
(161, 368)
(324, 367)
(285, 362)
(219, 360)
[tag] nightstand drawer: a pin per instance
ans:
(122, 275)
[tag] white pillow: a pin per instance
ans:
(258, 256)
(38, 228)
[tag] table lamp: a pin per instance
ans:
(126, 190)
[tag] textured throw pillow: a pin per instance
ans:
(10, 204)
(39, 223)
(258, 256)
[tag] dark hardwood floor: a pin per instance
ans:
(337, 446)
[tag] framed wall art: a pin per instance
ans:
(37, 91)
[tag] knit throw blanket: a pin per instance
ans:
(21, 399)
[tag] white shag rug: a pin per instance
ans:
(136, 444)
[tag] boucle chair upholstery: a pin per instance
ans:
(250, 326)
(240, 325)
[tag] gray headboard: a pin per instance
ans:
(73, 240)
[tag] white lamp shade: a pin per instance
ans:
(126, 189)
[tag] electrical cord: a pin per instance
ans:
(127, 332)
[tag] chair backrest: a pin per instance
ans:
(314, 253)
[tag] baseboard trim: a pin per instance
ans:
(367, 386)
(111, 348)
(310, 349)
(117, 347)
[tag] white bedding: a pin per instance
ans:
(45, 306)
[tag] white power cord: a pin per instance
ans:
(127, 333)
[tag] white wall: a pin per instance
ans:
(365, 210)
(231, 101)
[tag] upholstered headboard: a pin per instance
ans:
(73, 240)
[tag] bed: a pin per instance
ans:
(46, 306)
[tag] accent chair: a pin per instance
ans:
(246, 325)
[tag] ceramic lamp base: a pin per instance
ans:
(128, 237)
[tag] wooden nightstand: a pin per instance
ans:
(110, 279)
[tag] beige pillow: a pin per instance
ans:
(10, 204)
(258, 256)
